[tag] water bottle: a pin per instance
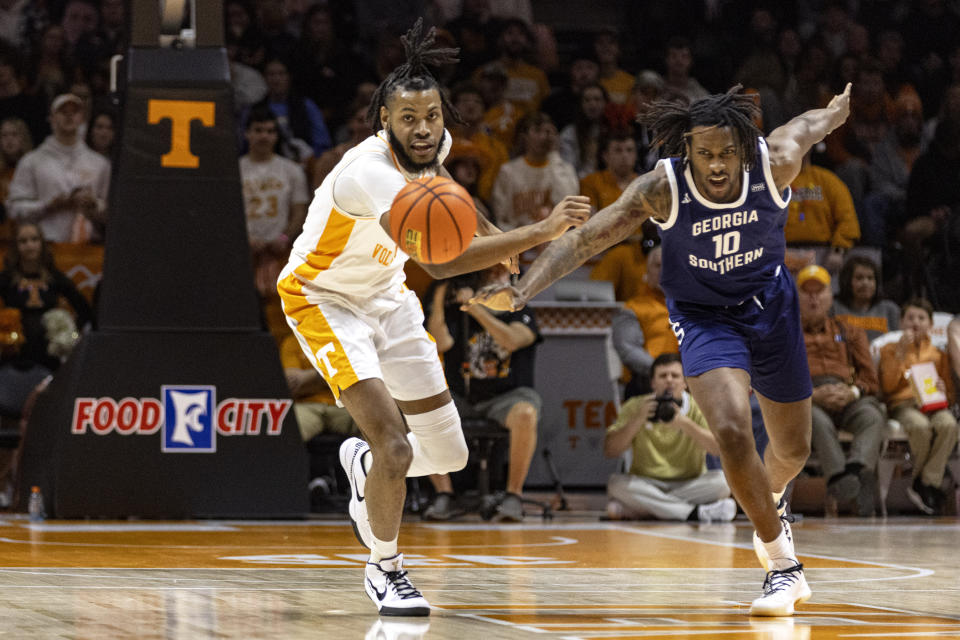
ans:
(35, 506)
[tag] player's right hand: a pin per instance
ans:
(570, 213)
(499, 296)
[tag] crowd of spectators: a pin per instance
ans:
(545, 110)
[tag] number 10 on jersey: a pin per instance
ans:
(726, 243)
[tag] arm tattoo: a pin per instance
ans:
(647, 196)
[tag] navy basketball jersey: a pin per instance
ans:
(722, 254)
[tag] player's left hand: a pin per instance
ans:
(499, 297)
(841, 102)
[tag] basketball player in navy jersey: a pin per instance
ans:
(720, 200)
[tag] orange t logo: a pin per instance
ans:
(181, 114)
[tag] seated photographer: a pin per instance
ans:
(488, 359)
(669, 438)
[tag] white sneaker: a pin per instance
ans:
(390, 589)
(723, 510)
(785, 521)
(351, 455)
(398, 630)
(781, 591)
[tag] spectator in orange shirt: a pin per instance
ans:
(625, 264)
(821, 212)
(469, 102)
(527, 85)
(844, 385)
(642, 330)
(932, 435)
(617, 82)
(501, 116)
(618, 151)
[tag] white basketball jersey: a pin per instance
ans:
(343, 253)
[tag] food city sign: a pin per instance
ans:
(188, 416)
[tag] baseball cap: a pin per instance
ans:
(813, 272)
(63, 99)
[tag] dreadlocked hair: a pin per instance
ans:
(413, 75)
(670, 122)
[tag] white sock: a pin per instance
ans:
(777, 496)
(366, 461)
(780, 550)
(383, 549)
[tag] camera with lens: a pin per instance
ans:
(667, 407)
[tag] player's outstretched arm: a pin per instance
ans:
(647, 196)
(790, 142)
(487, 228)
(486, 251)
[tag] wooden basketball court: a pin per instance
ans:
(572, 578)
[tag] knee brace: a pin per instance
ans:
(437, 441)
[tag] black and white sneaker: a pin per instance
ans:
(785, 520)
(782, 590)
(390, 589)
(351, 459)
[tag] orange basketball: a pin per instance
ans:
(433, 219)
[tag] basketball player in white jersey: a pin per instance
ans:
(344, 297)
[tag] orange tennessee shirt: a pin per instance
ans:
(893, 381)
(601, 187)
(650, 308)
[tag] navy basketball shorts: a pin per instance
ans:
(762, 335)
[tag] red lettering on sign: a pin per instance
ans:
(144, 416)
(82, 408)
(151, 414)
(227, 417)
(278, 411)
(104, 414)
(128, 412)
(254, 409)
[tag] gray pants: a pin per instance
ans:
(666, 499)
(932, 438)
(861, 418)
